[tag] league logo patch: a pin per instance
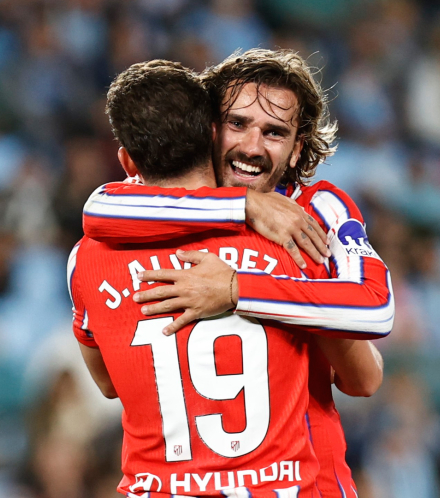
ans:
(354, 239)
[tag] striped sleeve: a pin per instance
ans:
(356, 303)
(129, 212)
(80, 316)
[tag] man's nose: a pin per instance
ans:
(253, 142)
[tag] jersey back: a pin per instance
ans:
(217, 409)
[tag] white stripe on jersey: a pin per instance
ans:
(330, 207)
(85, 324)
(158, 207)
(241, 492)
(297, 192)
(288, 492)
(347, 267)
(372, 320)
(71, 265)
(334, 214)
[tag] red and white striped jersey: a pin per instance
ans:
(359, 300)
(218, 409)
(154, 215)
(350, 296)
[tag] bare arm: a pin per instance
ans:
(98, 370)
(358, 365)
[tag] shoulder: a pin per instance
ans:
(81, 251)
(329, 202)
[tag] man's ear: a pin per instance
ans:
(297, 148)
(127, 162)
(214, 131)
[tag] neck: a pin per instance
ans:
(203, 177)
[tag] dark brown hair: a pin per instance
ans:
(160, 112)
(281, 69)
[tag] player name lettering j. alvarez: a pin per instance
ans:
(220, 481)
(243, 260)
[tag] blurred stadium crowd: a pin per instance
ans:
(381, 64)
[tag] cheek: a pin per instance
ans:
(276, 155)
(227, 141)
(283, 154)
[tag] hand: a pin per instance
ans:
(208, 289)
(281, 220)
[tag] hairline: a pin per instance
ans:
(237, 86)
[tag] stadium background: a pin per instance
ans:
(381, 64)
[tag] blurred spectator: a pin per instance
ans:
(400, 459)
(423, 97)
(85, 169)
(425, 282)
(391, 237)
(226, 25)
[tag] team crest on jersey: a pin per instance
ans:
(235, 445)
(146, 482)
(178, 449)
(354, 239)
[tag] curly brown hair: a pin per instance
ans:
(282, 69)
(161, 113)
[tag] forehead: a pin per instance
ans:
(279, 103)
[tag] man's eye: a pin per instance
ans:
(274, 133)
(236, 124)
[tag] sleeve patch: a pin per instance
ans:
(354, 239)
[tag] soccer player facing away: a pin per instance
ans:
(272, 127)
(218, 409)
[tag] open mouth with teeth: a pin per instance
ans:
(246, 170)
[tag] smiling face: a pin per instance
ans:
(257, 140)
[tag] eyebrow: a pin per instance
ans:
(269, 126)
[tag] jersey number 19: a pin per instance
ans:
(201, 358)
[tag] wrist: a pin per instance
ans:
(251, 207)
(233, 289)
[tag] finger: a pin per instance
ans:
(157, 294)
(317, 227)
(180, 322)
(158, 275)
(305, 243)
(195, 257)
(167, 306)
(293, 250)
(316, 241)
